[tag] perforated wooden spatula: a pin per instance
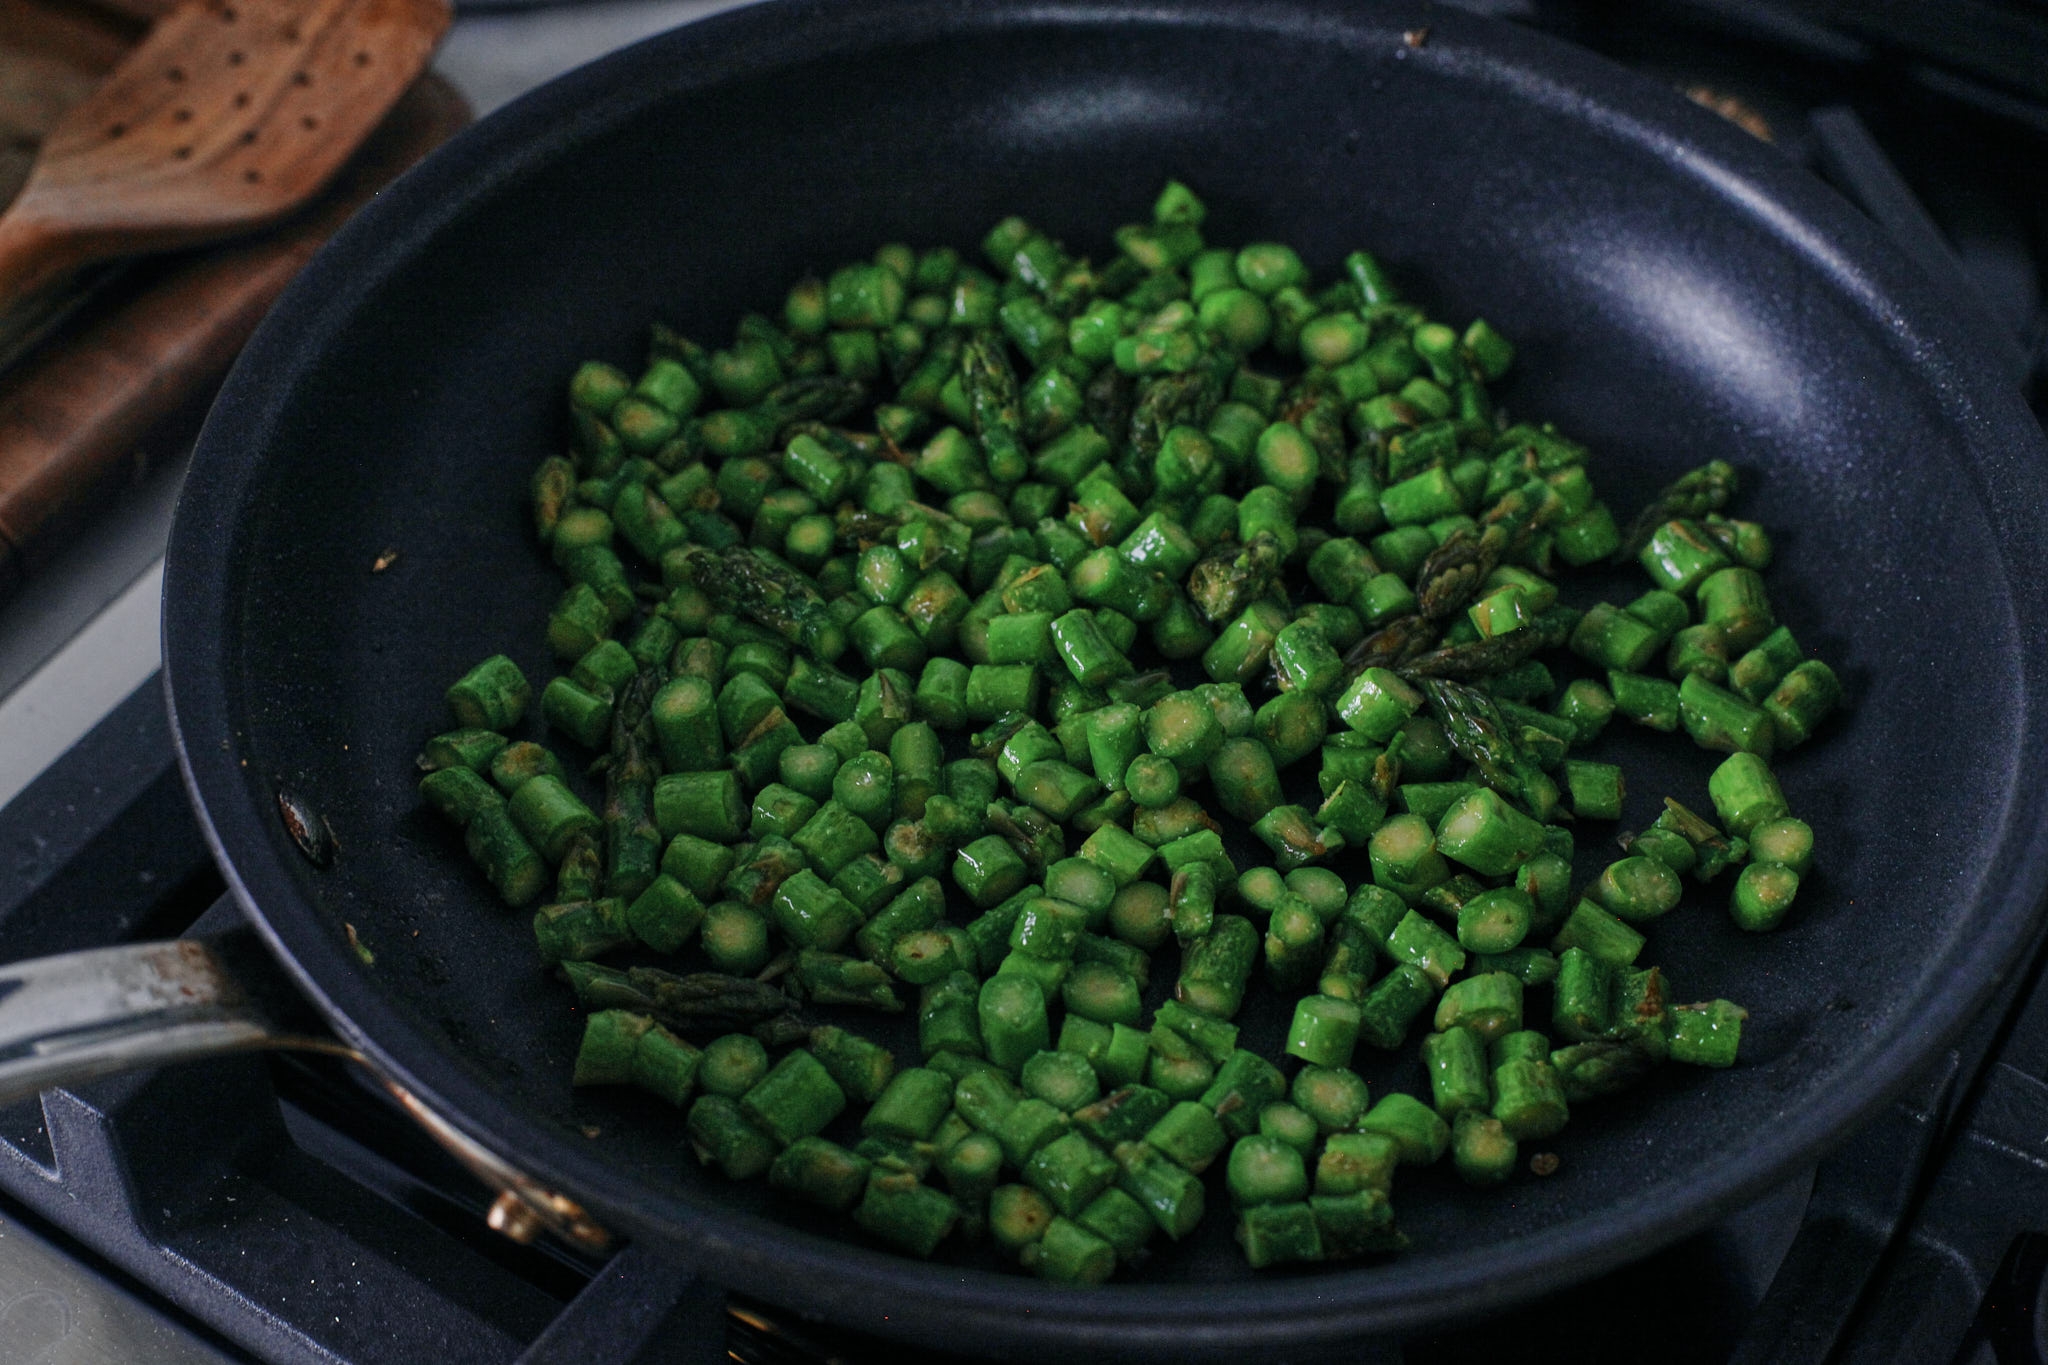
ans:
(230, 114)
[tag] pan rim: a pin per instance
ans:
(849, 1282)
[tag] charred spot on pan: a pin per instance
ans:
(433, 969)
(309, 830)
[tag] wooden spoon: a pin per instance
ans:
(227, 116)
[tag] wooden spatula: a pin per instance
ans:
(227, 116)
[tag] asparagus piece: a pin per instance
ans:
(632, 838)
(1694, 493)
(1479, 733)
(697, 1002)
(775, 595)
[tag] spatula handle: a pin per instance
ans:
(33, 256)
(75, 435)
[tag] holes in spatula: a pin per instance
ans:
(241, 99)
(248, 136)
(183, 154)
(308, 122)
(228, 14)
(302, 78)
(291, 32)
(236, 57)
(181, 116)
(362, 58)
(175, 75)
(253, 176)
(116, 129)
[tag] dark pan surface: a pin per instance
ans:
(1678, 293)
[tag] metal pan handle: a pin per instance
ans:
(79, 1016)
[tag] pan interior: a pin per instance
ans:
(1661, 317)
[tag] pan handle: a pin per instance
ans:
(79, 1016)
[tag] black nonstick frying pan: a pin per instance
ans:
(1679, 292)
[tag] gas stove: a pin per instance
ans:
(279, 1209)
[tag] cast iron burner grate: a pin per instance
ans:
(288, 1212)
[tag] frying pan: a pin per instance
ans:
(1678, 291)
